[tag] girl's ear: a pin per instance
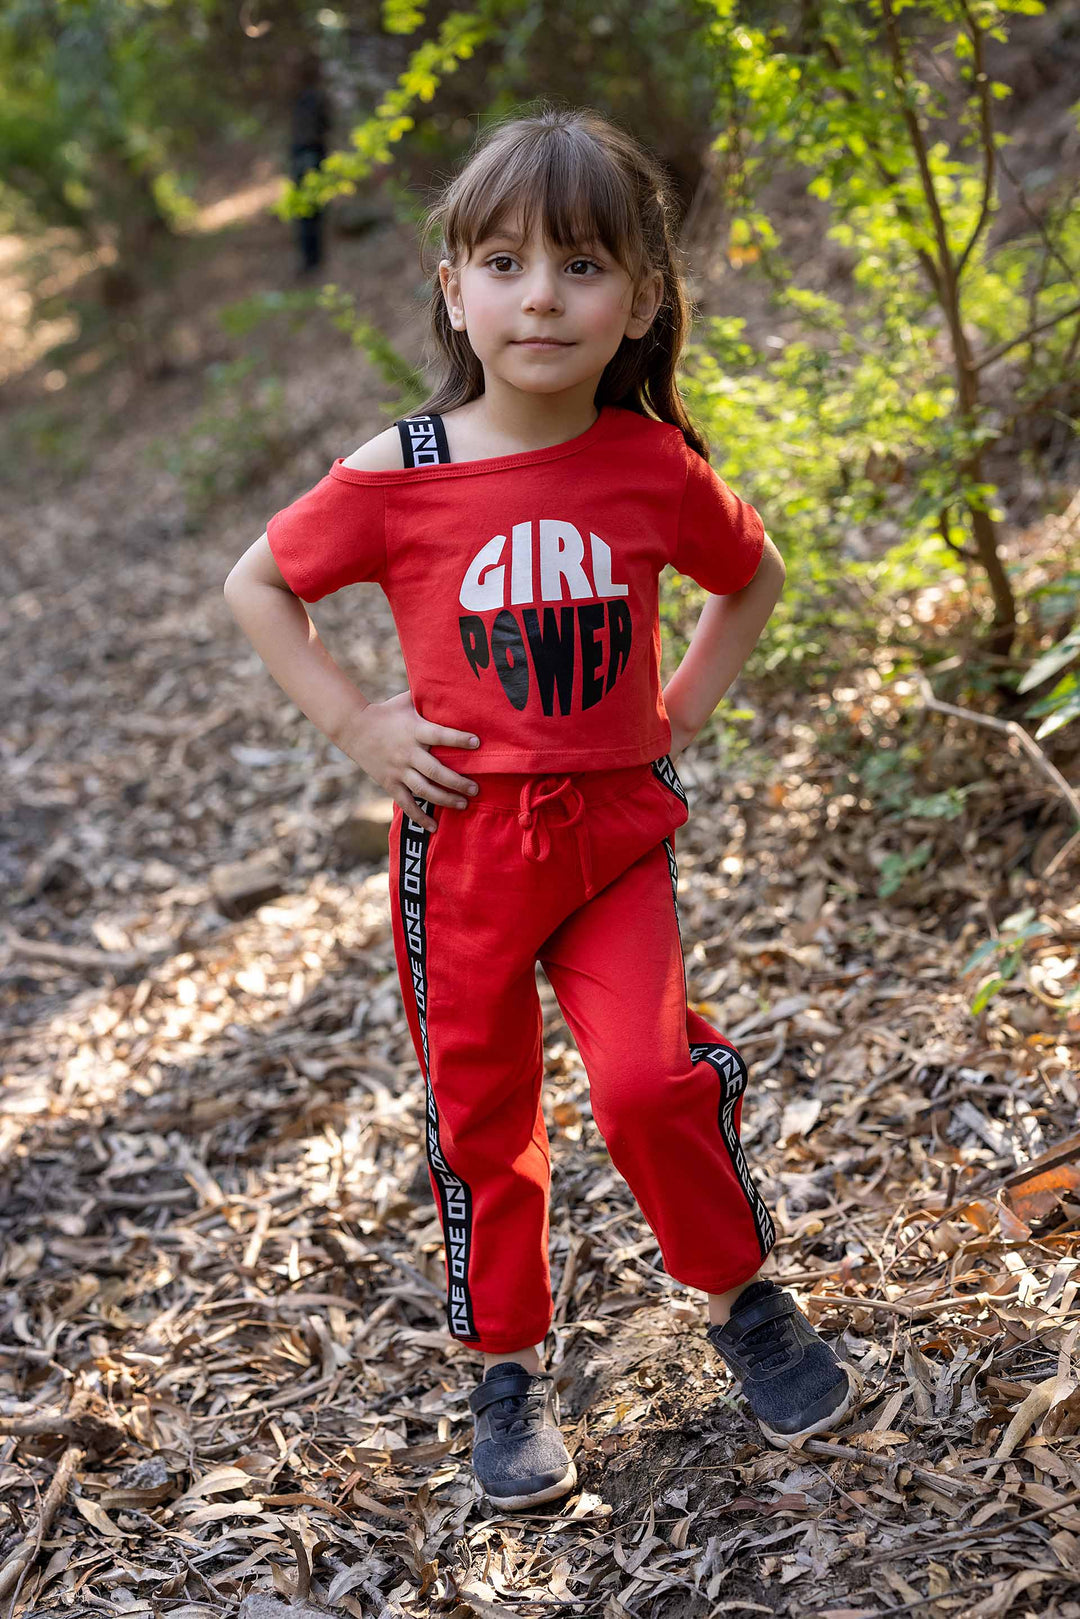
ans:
(646, 304)
(450, 283)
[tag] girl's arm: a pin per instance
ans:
(280, 629)
(389, 740)
(727, 632)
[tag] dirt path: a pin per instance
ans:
(218, 1231)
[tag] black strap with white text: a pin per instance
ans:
(423, 441)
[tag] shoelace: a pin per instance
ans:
(517, 1414)
(768, 1345)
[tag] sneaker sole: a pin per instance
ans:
(512, 1503)
(783, 1440)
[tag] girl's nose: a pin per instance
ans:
(541, 291)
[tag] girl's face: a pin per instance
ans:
(511, 290)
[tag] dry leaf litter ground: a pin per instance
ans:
(227, 1388)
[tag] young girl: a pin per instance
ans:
(519, 525)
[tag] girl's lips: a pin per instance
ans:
(541, 343)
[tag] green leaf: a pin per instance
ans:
(985, 993)
(980, 954)
(1053, 660)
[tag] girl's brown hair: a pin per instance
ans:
(588, 178)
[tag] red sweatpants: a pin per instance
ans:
(578, 872)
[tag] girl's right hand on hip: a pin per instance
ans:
(389, 741)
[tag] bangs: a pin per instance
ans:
(580, 182)
(562, 181)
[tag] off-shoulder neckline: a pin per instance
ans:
(604, 423)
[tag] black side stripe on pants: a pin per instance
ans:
(728, 1065)
(664, 770)
(731, 1071)
(455, 1196)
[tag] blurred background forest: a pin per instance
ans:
(226, 1387)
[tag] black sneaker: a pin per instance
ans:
(792, 1379)
(519, 1457)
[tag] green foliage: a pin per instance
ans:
(100, 103)
(401, 16)
(241, 432)
(946, 806)
(244, 315)
(44, 434)
(831, 443)
(642, 63)
(912, 212)
(1006, 951)
(459, 35)
(852, 432)
(728, 731)
(896, 867)
(409, 384)
(173, 202)
(889, 781)
(1062, 703)
(243, 429)
(886, 774)
(645, 65)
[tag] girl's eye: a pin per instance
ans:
(503, 258)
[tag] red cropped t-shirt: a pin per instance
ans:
(524, 587)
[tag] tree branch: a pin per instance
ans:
(982, 79)
(891, 180)
(1010, 343)
(915, 133)
(1027, 742)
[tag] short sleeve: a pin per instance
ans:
(332, 536)
(719, 539)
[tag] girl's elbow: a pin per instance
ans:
(770, 554)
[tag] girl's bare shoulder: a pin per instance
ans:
(380, 454)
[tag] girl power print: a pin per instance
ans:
(513, 633)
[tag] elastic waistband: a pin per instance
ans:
(504, 789)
